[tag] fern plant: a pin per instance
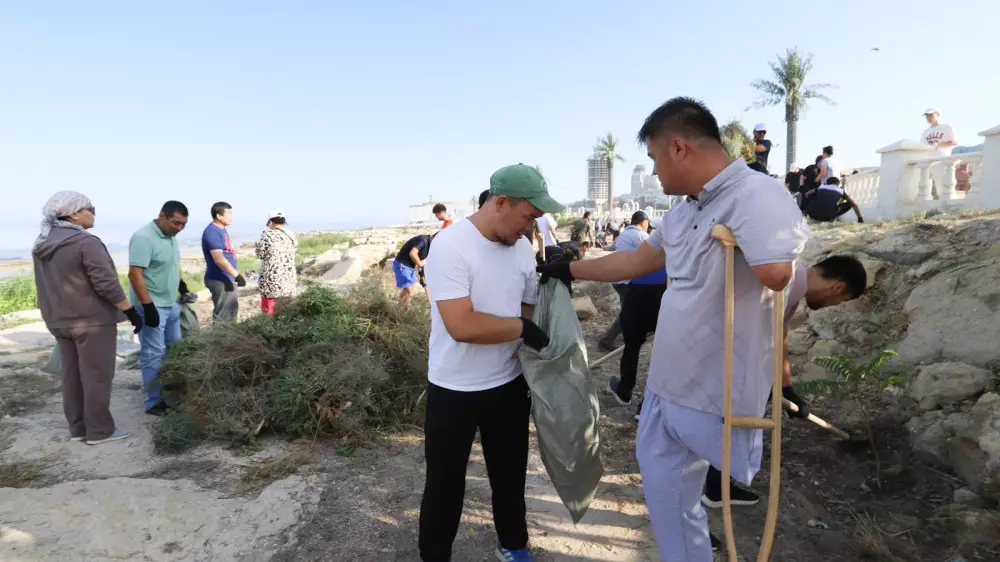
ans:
(850, 377)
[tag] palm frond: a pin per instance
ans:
(812, 95)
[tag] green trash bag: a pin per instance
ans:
(565, 412)
(54, 366)
(189, 319)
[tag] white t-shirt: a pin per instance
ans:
(830, 165)
(547, 223)
(939, 133)
(498, 278)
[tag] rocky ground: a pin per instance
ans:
(927, 490)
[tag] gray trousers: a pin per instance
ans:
(615, 329)
(226, 303)
(88, 365)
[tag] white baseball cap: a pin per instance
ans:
(931, 111)
(275, 214)
(759, 127)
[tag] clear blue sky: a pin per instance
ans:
(345, 112)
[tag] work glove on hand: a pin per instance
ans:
(227, 285)
(182, 288)
(788, 393)
(559, 270)
(862, 221)
(152, 315)
(240, 280)
(133, 317)
(533, 336)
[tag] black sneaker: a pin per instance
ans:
(738, 495)
(613, 388)
(716, 543)
(159, 410)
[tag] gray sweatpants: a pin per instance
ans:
(675, 446)
(226, 303)
(87, 355)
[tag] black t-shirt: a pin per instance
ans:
(792, 179)
(762, 156)
(422, 243)
(823, 205)
(810, 173)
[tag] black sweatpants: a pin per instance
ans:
(640, 309)
(501, 415)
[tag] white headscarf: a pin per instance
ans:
(61, 204)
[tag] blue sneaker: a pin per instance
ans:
(613, 387)
(505, 555)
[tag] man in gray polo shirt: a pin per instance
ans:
(680, 430)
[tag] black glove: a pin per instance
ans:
(240, 280)
(788, 393)
(227, 284)
(558, 270)
(862, 221)
(533, 336)
(133, 317)
(152, 315)
(182, 288)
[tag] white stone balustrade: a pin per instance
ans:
(904, 182)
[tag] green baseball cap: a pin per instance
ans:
(524, 182)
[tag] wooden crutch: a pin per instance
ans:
(725, 236)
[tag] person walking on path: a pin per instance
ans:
(407, 265)
(583, 230)
(942, 139)
(154, 273)
(81, 302)
(547, 225)
(276, 250)
(221, 271)
(640, 310)
(631, 238)
(680, 429)
(483, 284)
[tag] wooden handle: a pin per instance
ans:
(606, 357)
(722, 233)
(817, 420)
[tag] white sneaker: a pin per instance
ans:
(78, 438)
(118, 434)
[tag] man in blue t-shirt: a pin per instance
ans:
(220, 264)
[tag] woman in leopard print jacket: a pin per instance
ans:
(276, 250)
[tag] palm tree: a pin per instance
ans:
(789, 88)
(737, 141)
(607, 148)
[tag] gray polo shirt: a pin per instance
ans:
(688, 358)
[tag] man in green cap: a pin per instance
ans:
(481, 278)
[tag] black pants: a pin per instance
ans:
(639, 312)
(501, 415)
(613, 331)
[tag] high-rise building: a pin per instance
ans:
(638, 177)
(652, 183)
(597, 178)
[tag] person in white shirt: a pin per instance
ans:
(942, 138)
(481, 276)
(827, 166)
(547, 224)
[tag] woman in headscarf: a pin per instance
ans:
(276, 250)
(82, 302)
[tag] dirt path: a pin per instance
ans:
(208, 504)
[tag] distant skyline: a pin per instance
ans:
(347, 113)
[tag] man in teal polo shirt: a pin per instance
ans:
(154, 272)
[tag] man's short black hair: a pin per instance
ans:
(171, 208)
(439, 208)
(638, 217)
(819, 158)
(828, 150)
(277, 220)
(833, 181)
(483, 197)
(586, 214)
(846, 269)
(685, 116)
(220, 208)
(757, 167)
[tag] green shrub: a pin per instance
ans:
(176, 432)
(315, 244)
(18, 293)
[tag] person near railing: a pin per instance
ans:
(829, 201)
(942, 138)
(828, 167)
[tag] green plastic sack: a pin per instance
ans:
(565, 413)
(189, 319)
(54, 366)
